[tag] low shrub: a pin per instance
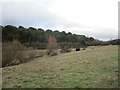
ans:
(83, 48)
(68, 50)
(77, 49)
(61, 51)
(65, 49)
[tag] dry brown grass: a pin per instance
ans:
(15, 53)
(12, 53)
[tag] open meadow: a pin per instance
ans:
(95, 67)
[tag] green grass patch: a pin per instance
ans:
(91, 68)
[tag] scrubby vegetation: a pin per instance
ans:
(14, 53)
(77, 49)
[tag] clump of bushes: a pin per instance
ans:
(12, 53)
(61, 51)
(68, 50)
(83, 48)
(65, 49)
(77, 49)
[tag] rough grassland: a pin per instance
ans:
(90, 68)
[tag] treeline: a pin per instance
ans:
(38, 38)
(114, 42)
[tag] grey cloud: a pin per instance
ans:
(32, 14)
(37, 15)
(26, 14)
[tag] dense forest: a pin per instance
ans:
(38, 38)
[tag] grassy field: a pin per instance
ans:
(95, 67)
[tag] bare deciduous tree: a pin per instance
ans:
(52, 44)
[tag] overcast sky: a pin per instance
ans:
(96, 18)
